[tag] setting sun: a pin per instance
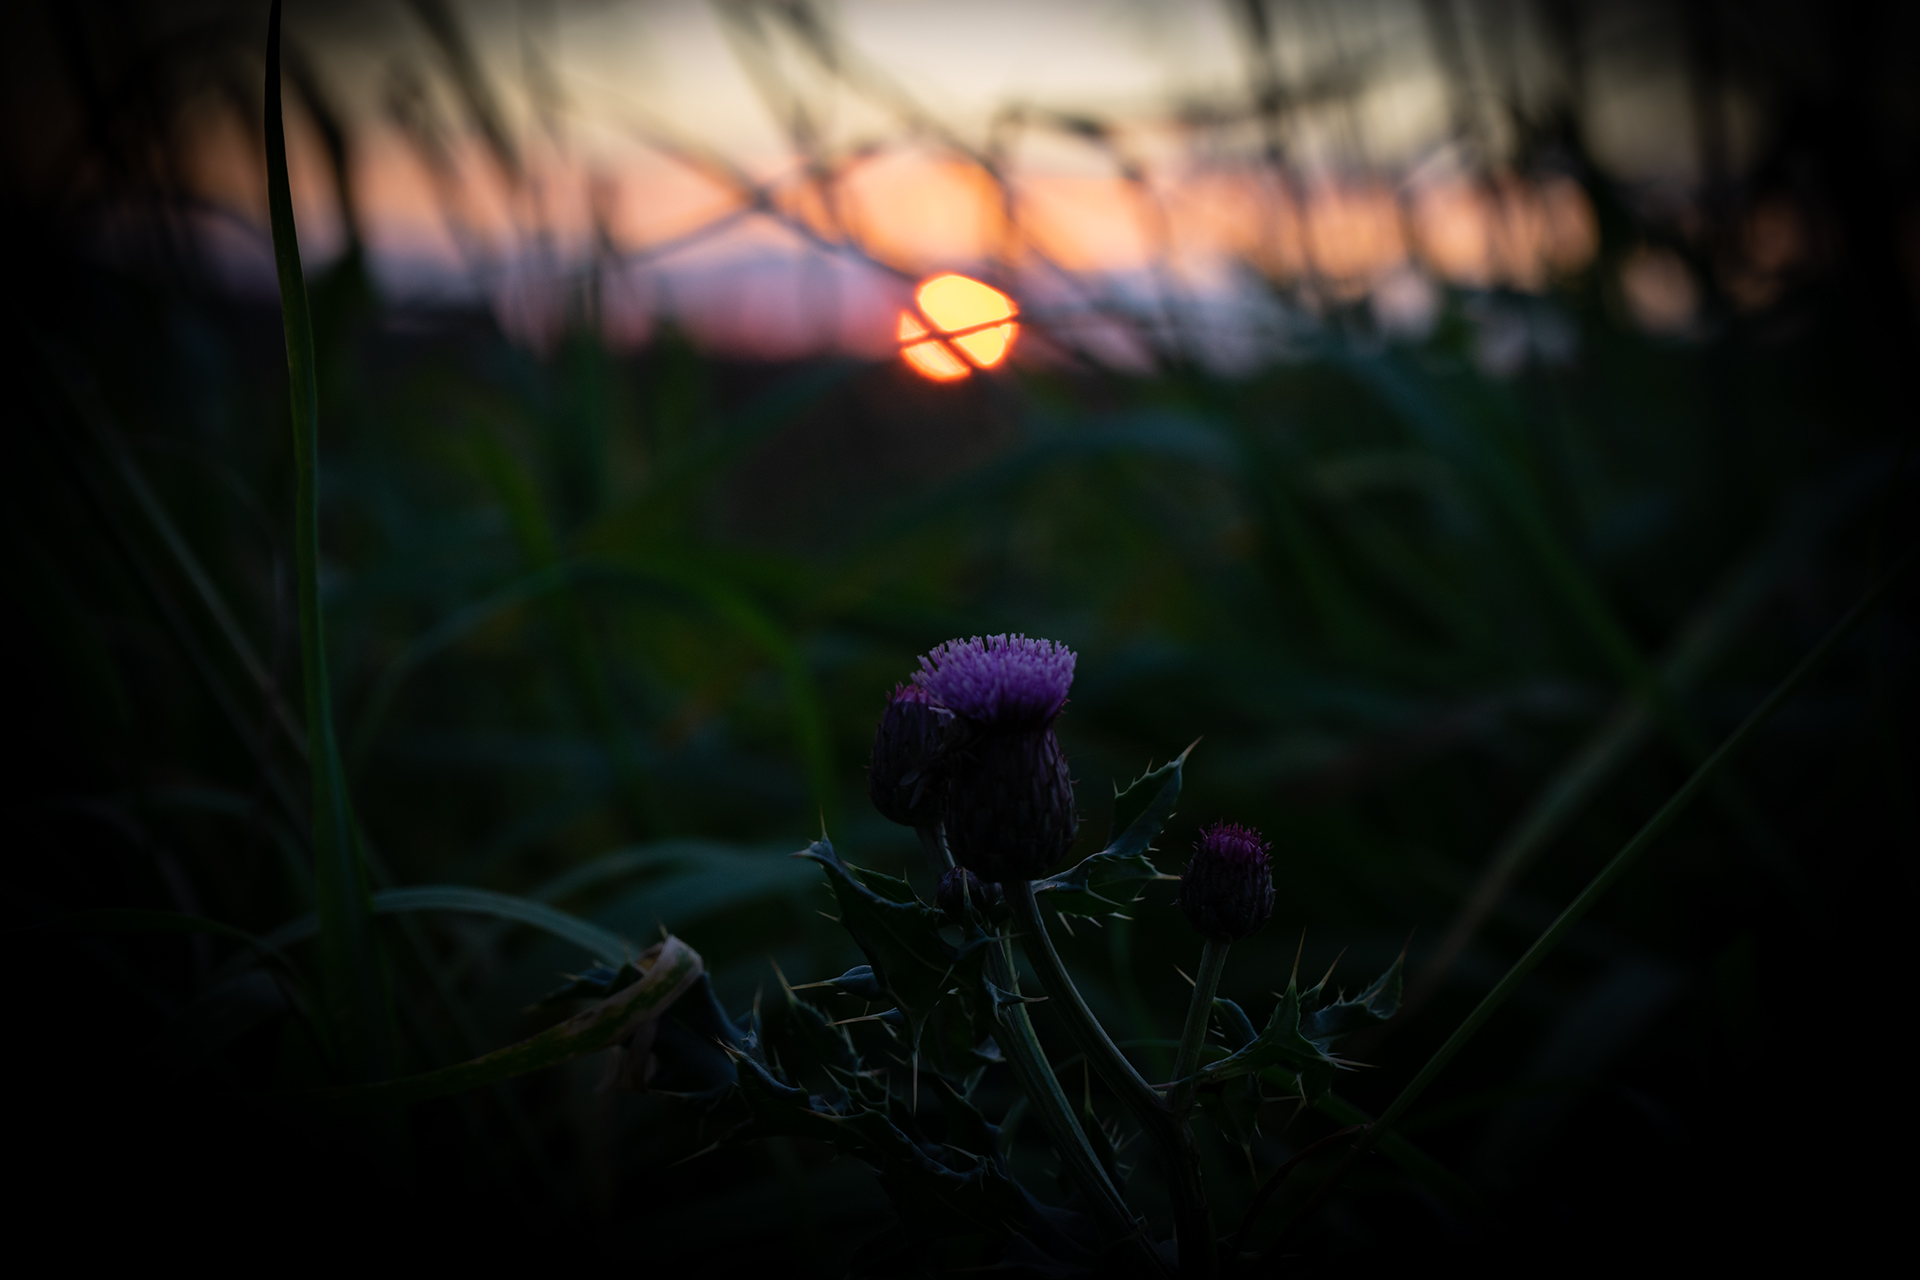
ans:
(966, 325)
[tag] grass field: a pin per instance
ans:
(610, 631)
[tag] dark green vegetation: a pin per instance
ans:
(608, 637)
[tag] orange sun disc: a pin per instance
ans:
(962, 325)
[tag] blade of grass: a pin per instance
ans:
(440, 978)
(448, 631)
(806, 709)
(1516, 495)
(621, 863)
(1601, 755)
(1450, 1186)
(174, 618)
(602, 944)
(1300, 563)
(1274, 1183)
(567, 613)
(1608, 875)
(352, 975)
(686, 475)
(674, 969)
(88, 407)
(247, 810)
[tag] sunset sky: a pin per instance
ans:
(779, 190)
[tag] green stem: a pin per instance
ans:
(1024, 1054)
(1049, 1102)
(933, 843)
(1213, 963)
(1193, 1226)
(355, 982)
(1612, 872)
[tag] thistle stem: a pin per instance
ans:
(1193, 1225)
(1024, 1054)
(1049, 1101)
(1213, 963)
(933, 843)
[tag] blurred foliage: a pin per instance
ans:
(611, 632)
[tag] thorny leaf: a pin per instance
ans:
(685, 1054)
(1376, 1004)
(1143, 807)
(1301, 1037)
(857, 981)
(940, 1190)
(800, 1044)
(968, 1131)
(1107, 881)
(1098, 886)
(899, 934)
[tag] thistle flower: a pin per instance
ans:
(1010, 806)
(960, 886)
(1001, 682)
(904, 774)
(1227, 888)
(1009, 794)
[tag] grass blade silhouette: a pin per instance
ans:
(351, 973)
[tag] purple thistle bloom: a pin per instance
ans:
(1227, 889)
(1001, 682)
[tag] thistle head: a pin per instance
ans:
(1010, 805)
(1000, 682)
(1227, 888)
(903, 775)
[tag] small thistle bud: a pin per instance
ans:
(1227, 888)
(903, 776)
(1010, 806)
(959, 887)
(1010, 797)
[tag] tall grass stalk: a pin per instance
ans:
(351, 970)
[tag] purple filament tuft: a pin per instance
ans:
(1000, 681)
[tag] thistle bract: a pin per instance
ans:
(959, 887)
(903, 775)
(1227, 888)
(1010, 805)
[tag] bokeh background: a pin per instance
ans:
(1456, 415)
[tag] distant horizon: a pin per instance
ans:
(687, 195)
